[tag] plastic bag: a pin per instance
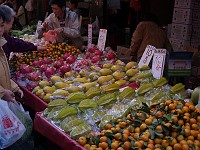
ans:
(24, 117)
(50, 36)
(11, 128)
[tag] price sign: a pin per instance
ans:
(89, 35)
(147, 55)
(158, 63)
(102, 39)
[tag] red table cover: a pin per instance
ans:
(32, 100)
(43, 126)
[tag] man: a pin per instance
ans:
(64, 23)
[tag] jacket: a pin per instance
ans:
(5, 81)
(71, 28)
(147, 33)
(16, 45)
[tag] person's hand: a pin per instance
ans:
(9, 96)
(44, 25)
(21, 93)
(58, 30)
(40, 48)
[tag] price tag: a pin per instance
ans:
(158, 63)
(89, 35)
(102, 39)
(147, 55)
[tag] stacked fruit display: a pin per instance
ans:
(172, 124)
(54, 51)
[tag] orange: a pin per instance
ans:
(148, 121)
(181, 122)
(167, 102)
(159, 128)
(186, 118)
(194, 126)
(145, 138)
(175, 119)
(124, 137)
(138, 144)
(126, 131)
(103, 145)
(150, 146)
(172, 106)
(103, 139)
(87, 146)
(120, 148)
(197, 143)
(118, 136)
(168, 148)
(174, 134)
(143, 126)
(185, 109)
(185, 147)
(180, 138)
(189, 142)
(187, 132)
(183, 142)
(115, 145)
(159, 114)
(177, 146)
(137, 130)
(157, 140)
(198, 137)
(173, 142)
(190, 138)
(127, 145)
(194, 133)
(165, 143)
(82, 140)
(193, 121)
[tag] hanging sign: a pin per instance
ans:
(158, 63)
(89, 35)
(147, 55)
(102, 39)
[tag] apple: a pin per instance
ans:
(71, 59)
(91, 50)
(83, 63)
(43, 68)
(58, 63)
(65, 68)
(47, 60)
(50, 71)
(87, 55)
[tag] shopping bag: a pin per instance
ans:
(24, 117)
(50, 36)
(11, 128)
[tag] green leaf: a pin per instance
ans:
(165, 128)
(109, 135)
(155, 121)
(109, 141)
(124, 118)
(182, 131)
(152, 133)
(177, 127)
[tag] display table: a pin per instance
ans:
(54, 134)
(32, 100)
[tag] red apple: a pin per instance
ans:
(71, 59)
(28, 69)
(98, 52)
(91, 50)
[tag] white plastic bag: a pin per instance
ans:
(24, 117)
(11, 128)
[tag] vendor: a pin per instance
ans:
(14, 44)
(148, 32)
(63, 22)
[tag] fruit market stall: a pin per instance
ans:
(57, 136)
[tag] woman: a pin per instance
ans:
(14, 44)
(7, 86)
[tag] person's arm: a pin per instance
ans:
(74, 30)
(136, 40)
(19, 45)
(1, 91)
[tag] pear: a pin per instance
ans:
(118, 75)
(131, 64)
(108, 65)
(47, 98)
(36, 89)
(117, 68)
(40, 92)
(60, 92)
(105, 72)
(73, 89)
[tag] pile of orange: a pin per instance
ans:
(54, 51)
(170, 125)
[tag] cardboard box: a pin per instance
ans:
(179, 44)
(187, 3)
(186, 16)
(179, 63)
(181, 31)
(124, 53)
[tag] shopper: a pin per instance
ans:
(148, 32)
(73, 6)
(63, 22)
(21, 13)
(14, 44)
(7, 86)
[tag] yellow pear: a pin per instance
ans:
(60, 85)
(55, 79)
(49, 89)
(43, 83)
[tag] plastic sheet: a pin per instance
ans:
(54, 134)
